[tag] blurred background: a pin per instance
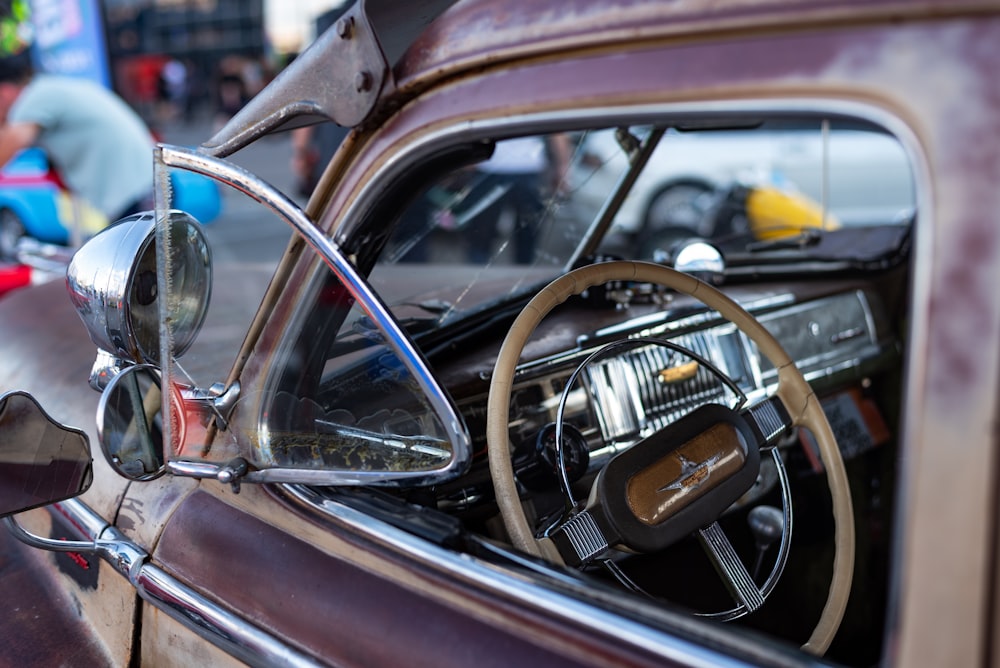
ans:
(185, 66)
(170, 59)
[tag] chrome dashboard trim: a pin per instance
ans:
(610, 426)
(366, 298)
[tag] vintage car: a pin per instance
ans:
(867, 181)
(36, 204)
(450, 423)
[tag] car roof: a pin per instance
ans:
(389, 51)
(476, 32)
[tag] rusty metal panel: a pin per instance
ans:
(936, 80)
(482, 32)
(345, 610)
(32, 607)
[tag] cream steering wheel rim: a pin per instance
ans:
(793, 390)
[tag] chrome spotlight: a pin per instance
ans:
(112, 281)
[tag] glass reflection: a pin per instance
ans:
(41, 461)
(130, 423)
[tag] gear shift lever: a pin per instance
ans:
(766, 524)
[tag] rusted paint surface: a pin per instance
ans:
(42, 623)
(483, 32)
(45, 350)
(346, 613)
(147, 507)
(168, 644)
(949, 424)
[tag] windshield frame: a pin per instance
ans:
(354, 226)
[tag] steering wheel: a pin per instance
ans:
(793, 393)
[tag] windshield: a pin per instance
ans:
(455, 252)
(772, 196)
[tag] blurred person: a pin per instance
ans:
(231, 91)
(527, 171)
(173, 89)
(100, 147)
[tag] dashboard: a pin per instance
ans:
(649, 369)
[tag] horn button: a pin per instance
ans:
(676, 481)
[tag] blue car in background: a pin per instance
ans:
(34, 202)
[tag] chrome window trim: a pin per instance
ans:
(675, 646)
(366, 298)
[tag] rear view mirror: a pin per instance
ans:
(130, 423)
(41, 461)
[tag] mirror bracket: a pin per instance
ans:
(106, 366)
(338, 78)
(217, 402)
(50, 544)
(231, 473)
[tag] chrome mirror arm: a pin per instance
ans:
(110, 545)
(218, 401)
(50, 544)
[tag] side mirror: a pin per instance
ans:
(130, 423)
(41, 461)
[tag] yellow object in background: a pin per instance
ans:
(774, 213)
(79, 216)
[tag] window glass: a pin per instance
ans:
(362, 412)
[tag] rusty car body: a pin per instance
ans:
(774, 446)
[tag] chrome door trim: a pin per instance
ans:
(676, 648)
(226, 630)
(215, 624)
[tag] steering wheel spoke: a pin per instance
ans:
(770, 418)
(730, 567)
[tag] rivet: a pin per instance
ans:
(345, 26)
(362, 81)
